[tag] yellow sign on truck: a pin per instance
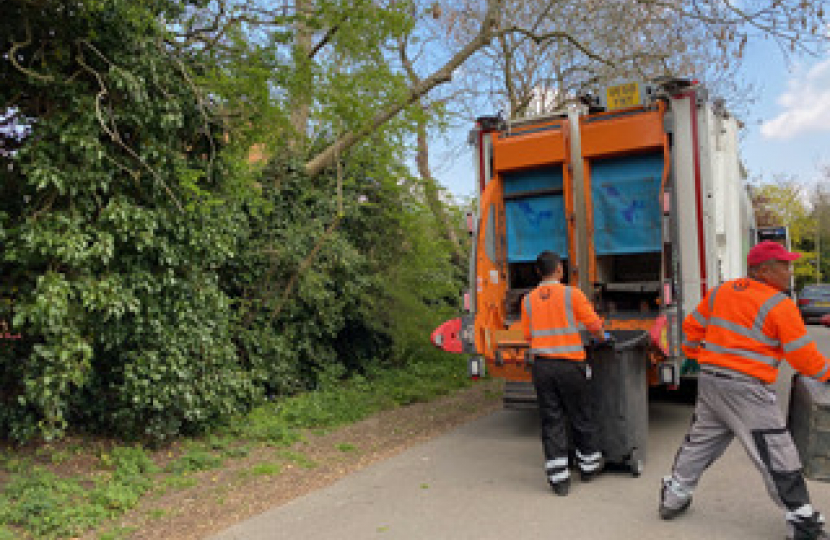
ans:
(622, 96)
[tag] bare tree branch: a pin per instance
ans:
(430, 186)
(113, 133)
(440, 76)
(12, 55)
(325, 39)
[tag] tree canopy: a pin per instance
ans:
(785, 201)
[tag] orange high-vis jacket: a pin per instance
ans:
(747, 326)
(550, 317)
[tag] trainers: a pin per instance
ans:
(561, 488)
(667, 512)
(671, 513)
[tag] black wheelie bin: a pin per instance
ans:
(809, 423)
(619, 385)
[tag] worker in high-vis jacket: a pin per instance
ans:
(551, 314)
(740, 333)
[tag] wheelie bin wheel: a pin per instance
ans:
(635, 463)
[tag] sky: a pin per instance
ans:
(786, 133)
(793, 110)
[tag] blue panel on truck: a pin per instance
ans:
(532, 180)
(537, 222)
(625, 195)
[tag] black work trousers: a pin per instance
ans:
(564, 397)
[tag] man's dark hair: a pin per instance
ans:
(547, 262)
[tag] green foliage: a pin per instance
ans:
(349, 307)
(46, 506)
(787, 202)
(182, 481)
(13, 464)
(110, 236)
(157, 513)
(119, 533)
(236, 452)
(297, 458)
(161, 284)
(346, 447)
(115, 497)
(264, 469)
(129, 462)
(51, 507)
(337, 403)
(196, 459)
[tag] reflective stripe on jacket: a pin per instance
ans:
(749, 327)
(551, 314)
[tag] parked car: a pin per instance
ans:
(826, 320)
(814, 302)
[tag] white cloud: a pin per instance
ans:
(806, 105)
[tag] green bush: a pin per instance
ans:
(112, 236)
(158, 286)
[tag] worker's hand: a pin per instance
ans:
(607, 339)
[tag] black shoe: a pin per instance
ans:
(807, 528)
(821, 535)
(561, 488)
(588, 476)
(671, 513)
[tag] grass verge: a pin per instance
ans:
(65, 490)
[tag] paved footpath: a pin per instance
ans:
(483, 481)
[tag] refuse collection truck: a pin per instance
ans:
(642, 193)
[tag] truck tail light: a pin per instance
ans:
(803, 301)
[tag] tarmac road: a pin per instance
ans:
(484, 481)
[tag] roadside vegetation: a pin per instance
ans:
(176, 289)
(64, 489)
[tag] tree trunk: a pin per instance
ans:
(432, 195)
(300, 107)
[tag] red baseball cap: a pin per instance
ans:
(768, 251)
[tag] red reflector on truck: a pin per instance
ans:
(447, 336)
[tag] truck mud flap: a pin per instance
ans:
(519, 395)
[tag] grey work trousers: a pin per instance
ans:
(743, 407)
